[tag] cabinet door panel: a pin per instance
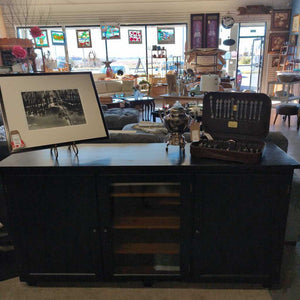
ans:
(55, 219)
(239, 223)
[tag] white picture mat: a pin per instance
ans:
(15, 117)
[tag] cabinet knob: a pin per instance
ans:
(94, 230)
(197, 231)
(105, 230)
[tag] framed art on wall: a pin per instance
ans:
(295, 23)
(197, 29)
(58, 37)
(212, 30)
(47, 109)
(84, 38)
(277, 40)
(165, 35)
(110, 32)
(42, 41)
(134, 36)
(280, 20)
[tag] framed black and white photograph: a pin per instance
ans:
(47, 109)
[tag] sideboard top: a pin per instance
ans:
(137, 155)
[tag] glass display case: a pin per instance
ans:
(146, 227)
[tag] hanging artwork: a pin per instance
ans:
(165, 35)
(276, 41)
(204, 31)
(110, 32)
(58, 37)
(42, 41)
(212, 30)
(135, 36)
(84, 38)
(197, 28)
(280, 20)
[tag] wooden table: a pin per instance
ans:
(170, 99)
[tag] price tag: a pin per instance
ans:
(16, 141)
(195, 131)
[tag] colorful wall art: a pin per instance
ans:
(135, 36)
(84, 38)
(58, 38)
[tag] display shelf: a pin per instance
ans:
(147, 248)
(147, 222)
(159, 59)
(144, 270)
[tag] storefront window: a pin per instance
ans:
(131, 53)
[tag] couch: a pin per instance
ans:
(108, 88)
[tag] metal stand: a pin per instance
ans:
(54, 151)
(73, 147)
(176, 139)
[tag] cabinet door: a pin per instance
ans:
(54, 223)
(239, 225)
(144, 230)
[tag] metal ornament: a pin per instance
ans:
(176, 122)
(227, 22)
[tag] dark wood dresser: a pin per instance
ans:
(136, 212)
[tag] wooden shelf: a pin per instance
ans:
(147, 222)
(153, 195)
(141, 270)
(147, 248)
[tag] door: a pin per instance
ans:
(144, 231)
(239, 226)
(54, 219)
(250, 55)
(256, 64)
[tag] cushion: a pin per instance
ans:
(100, 86)
(287, 109)
(113, 86)
(127, 86)
(117, 118)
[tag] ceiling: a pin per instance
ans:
(92, 12)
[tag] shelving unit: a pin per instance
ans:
(284, 91)
(159, 59)
(286, 58)
(146, 226)
(205, 61)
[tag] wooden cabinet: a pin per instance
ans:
(144, 231)
(54, 224)
(136, 212)
(247, 237)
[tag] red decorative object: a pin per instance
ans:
(35, 31)
(19, 52)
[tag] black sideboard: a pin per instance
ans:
(134, 211)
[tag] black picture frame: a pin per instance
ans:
(280, 20)
(42, 110)
(197, 31)
(212, 22)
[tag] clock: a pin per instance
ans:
(227, 22)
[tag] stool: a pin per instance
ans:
(287, 110)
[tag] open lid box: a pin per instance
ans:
(238, 116)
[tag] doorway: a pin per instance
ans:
(251, 42)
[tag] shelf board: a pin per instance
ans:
(147, 248)
(147, 222)
(153, 195)
(141, 270)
